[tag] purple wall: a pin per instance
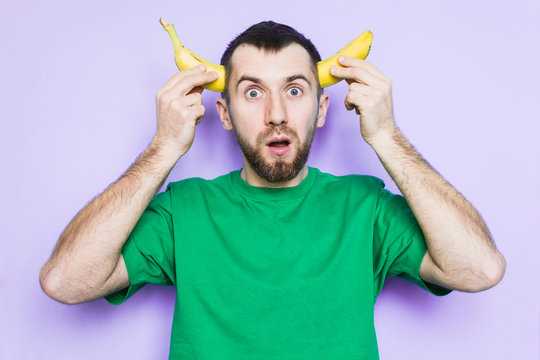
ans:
(78, 84)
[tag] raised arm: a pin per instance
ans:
(86, 263)
(461, 254)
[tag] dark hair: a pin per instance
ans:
(272, 36)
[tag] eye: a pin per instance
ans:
(253, 93)
(294, 91)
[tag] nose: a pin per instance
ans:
(276, 110)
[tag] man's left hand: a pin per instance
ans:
(370, 94)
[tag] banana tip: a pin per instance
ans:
(163, 22)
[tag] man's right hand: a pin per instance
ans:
(179, 109)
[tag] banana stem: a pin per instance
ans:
(172, 33)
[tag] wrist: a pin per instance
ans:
(164, 151)
(384, 138)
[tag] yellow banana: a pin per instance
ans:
(186, 59)
(359, 48)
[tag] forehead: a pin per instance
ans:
(250, 60)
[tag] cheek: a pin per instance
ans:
(245, 124)
(246, 109)
(304, 113)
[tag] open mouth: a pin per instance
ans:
(278, 145)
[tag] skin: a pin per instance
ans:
(263, 95)
(87, 263)
(461, 253)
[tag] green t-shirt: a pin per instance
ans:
(274, 274)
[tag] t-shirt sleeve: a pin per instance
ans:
(149, 249)
(399, 245)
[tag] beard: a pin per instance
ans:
(278, 171)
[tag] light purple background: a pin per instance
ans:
(78, 83)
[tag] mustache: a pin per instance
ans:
(277, 130)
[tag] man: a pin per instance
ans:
(278, 260)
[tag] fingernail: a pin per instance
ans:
(333, 69)
(202, 67)
(341, 58)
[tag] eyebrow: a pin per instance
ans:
(256, 80)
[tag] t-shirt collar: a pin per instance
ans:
(263, 193)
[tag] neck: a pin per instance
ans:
(253, 179)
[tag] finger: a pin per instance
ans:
(354, 101)
(178, 76)
(351, 61)
(198, 111)
(196, 89)
(192, 81)
(359, 95)
(351, 101)
(194, 98)
(358, 74)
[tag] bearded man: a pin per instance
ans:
(277, 260)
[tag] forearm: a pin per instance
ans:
(458, 241)
(88, 250)
(461, 253)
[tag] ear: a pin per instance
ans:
(323, 108)
(223, 112)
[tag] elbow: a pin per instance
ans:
(53, 286)
(490, 275)
(497, 270)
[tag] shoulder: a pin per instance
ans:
(197, 195)
(193, 189)
(350, 181)
(200, 183)
(352, 190)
